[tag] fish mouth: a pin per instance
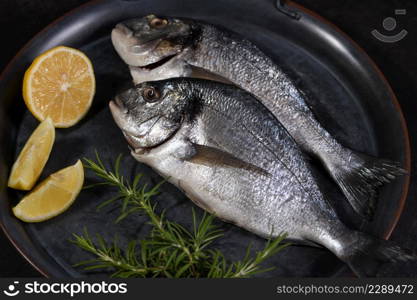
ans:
(142, 133)
(133, 138)
(119, 113)
(141, 57)
(123, 30)
(137, 150)
(117, 108)
(124, 41)
(119, 104)
(157, 64)
(141, 151)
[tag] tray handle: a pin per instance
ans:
(283, 8)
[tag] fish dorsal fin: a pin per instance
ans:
(210, 156)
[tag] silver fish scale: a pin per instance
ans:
(245, 65)
(261, 126)
(286, 199)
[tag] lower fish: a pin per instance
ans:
(230, 155)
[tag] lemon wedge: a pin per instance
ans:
(59, 84)
(52, 196)
(33, 157)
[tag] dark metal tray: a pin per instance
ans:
(346, 90)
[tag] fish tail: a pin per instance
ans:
(373, 257)
(359, 176)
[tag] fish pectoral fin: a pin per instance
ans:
(210, 156)
(201, 73)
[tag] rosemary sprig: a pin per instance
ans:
(170, 250)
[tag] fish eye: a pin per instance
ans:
(151, 94)
(158, 23)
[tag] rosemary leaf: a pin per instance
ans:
(171, 250)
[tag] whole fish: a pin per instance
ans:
(231, 156)
(159, 48)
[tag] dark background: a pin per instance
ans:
(21, 19)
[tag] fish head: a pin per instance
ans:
(150, 113)
(150, 41)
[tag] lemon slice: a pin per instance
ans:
(52, 196)
(59, 84)
(33, 157)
